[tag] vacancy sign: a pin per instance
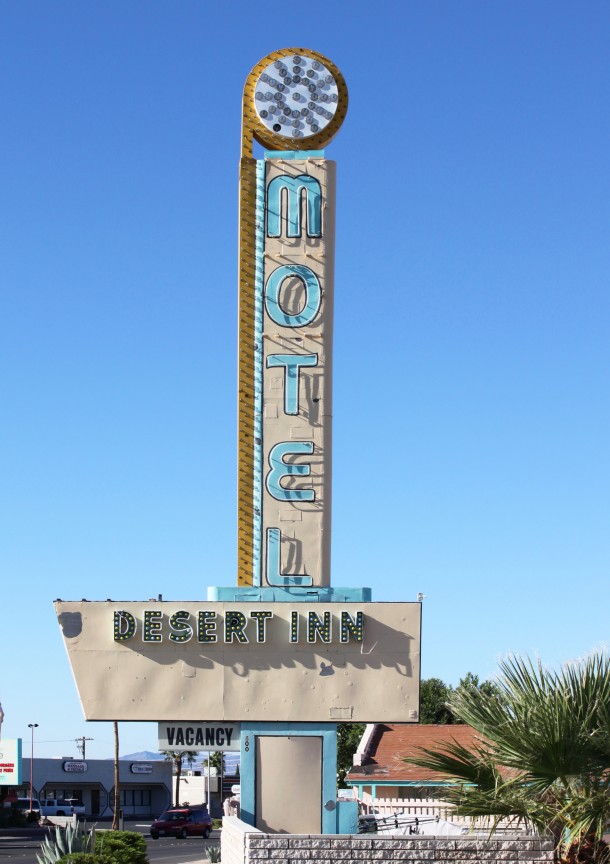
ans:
(199, 736)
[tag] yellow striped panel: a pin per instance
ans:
(245, 445)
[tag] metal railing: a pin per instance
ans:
(385, 811)
(373, 825)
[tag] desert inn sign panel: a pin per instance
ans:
(324, 662)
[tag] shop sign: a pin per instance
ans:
(75, 767)
(10, 761)
(141, 768)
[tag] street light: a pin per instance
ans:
(32, 726)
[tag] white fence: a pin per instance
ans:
(432, 808)
(410, 806)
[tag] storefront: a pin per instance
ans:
(145, 787)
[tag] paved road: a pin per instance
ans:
(18, 848)
(167, 850)
(171, 850)
(21, 848)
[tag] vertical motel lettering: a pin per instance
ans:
(293, 524)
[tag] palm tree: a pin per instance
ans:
(177, 757)
(543, 755)
(216, 759)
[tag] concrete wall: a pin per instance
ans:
(194, 789)
(233, 840)
(241, 844)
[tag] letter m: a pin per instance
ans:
(294, 187)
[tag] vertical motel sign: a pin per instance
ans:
(294, 103)
(262, 654)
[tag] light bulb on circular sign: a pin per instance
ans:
(294, 99)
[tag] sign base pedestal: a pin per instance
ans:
(288, 777)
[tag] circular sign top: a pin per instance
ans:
(294, 99)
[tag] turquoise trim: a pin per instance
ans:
(259, 265)
(416, 784)
(294, 154)
(347, 817)
(292, 365)
(274, 576)
(294, 186)
(315, 594)
(17, 779)
(247, 771)
(313, 295)
(281, 469)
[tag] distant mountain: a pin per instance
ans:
(231, 760)
(143, 756)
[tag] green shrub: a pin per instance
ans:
(123, 847)
(10, 817)
(84, 858)
(17, 818)
(70, 839)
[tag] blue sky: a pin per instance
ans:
(471, 450)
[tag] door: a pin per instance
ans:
(289, 784)
(95, 802)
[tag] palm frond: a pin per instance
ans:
(544, 750)
(458, 763)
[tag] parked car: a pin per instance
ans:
(24, 805)
(62, 807)
(183, 822)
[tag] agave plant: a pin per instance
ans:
(543, 753)
(72, 838)
(213, 853)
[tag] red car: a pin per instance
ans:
(182, 822)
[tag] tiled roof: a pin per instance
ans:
(391, 743)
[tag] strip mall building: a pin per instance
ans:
(146, 787)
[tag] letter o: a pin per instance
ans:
(313, 298)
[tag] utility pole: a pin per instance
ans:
(81, 743)
(32, 726)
